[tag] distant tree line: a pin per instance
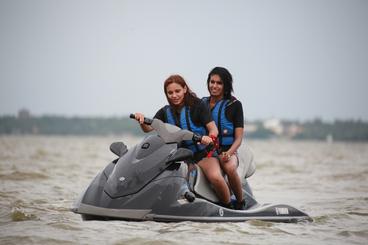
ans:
(339, 130)
(348, 130)
(68, 125)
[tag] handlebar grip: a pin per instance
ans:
(146, 120)
(197, 138)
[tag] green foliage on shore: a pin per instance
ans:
(339, 130)
(348, 130)
(68, 126)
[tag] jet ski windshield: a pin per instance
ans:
(171, 133)
(139, 165)
(136, 168)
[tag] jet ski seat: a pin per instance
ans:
(246, 168)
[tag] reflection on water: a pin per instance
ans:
(41, 177)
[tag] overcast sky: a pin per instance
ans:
(289, 59)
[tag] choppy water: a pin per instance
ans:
(40, 177)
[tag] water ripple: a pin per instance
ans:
(20, 215)
(40, 181)
(19, 176)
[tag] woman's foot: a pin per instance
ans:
(228, 205)
(240, 205)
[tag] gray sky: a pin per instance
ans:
(289, 59)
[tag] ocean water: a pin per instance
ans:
(41, 176)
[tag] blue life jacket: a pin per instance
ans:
(225, 127)
(185, 122)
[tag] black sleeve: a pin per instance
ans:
(234, 112)
(161, 115)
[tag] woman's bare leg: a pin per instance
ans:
(212, 170)
(229, 168)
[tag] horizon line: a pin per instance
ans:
(26, 114)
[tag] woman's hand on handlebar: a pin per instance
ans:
(206, 140)
(139, 117)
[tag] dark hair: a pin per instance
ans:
(226, 78)
(189, 98)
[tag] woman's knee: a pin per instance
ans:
(230, 168)
(213, 175)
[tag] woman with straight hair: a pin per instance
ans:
(227, 112)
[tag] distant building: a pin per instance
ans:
(329, 138)
(250, 128)
(274, 125)
(24, 113)
(293, 130)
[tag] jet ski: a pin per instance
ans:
(152, 182)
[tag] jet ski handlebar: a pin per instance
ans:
(197, 137)
(193, 136)
(147, 121)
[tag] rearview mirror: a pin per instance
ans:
(119, 148)
(180, 154)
